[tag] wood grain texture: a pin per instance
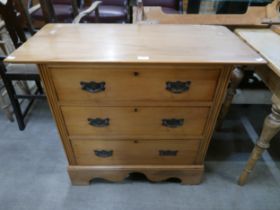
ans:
(135, 122)
(270, 128)
(82, 175)
(266, 42)
(128, 43)
(137, 152)
(128, 82)
(135, 62)
(56, 112)
(214, 112)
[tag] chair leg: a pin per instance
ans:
(14, 102)
(39, 86)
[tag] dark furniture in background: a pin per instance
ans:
(18, 72)
(14, 27)
(193, 6)
(62, 11)
(110, 11)
(227, 6)
(168, 6)
(239, 7)
(26, 11)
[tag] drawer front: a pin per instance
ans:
(125, 152)
(135, 122)
(135, 84)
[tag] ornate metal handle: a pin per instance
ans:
(168, 152)
(172, 123)
(103, 153)
(178, 86)
(92, 86)
(98, 122)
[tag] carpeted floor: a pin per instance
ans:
(33, 172)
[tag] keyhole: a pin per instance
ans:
(135, 110)
(136, 141)
(136, 74)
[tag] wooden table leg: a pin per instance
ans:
(270, 128)
(236, 77)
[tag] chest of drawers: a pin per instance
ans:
(133, 102)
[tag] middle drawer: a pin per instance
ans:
(135, 122)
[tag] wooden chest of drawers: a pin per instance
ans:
(137, 116)
(136, 103)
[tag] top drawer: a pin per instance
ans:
(135, 83)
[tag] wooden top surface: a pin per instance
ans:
(266, 42)
(127, 43)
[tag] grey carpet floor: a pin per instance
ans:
(33, 175)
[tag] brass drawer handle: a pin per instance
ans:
(178, 86)
(98, 122)
(103, 153)
(173, 123)
(168, 152)
(92, 86)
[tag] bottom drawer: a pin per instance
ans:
(127, 152)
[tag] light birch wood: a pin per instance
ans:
(128, 43)
(270, 128)
(266, 42)
(136, 152)
(127, 82)
(163, 52)
(56, 112)
(135, 122)
(82, 175)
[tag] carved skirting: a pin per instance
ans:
(82, 175)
